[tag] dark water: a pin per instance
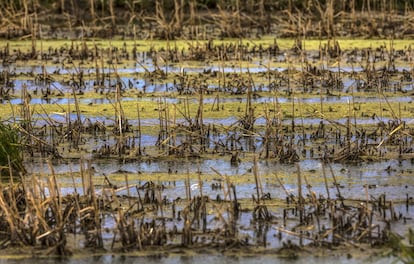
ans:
(202, 259)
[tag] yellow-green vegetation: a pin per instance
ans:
(177, 180)
(119, 178)
(152, 109)
(116, 62)
(146, 45)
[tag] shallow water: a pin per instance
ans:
(261, 259)
(359, 181)
(389, 177)
(280, 99)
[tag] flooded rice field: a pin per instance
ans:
(208, 148)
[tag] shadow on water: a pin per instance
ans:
(219, 259)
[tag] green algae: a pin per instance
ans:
(265, 42)
(106, 49)
(152, 109)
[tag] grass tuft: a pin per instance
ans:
(11, 158)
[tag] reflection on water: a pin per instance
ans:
(242, 100)
(199, 259)
(353, 178)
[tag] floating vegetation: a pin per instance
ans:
(141, 217)
(310, 109)
(163, 114)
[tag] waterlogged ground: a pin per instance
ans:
(392, 177)
(313, 101)
(211, 258)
